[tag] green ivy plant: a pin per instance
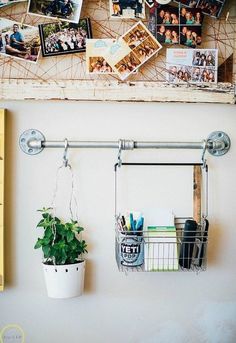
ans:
(60, 242)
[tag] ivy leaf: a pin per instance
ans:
(38, 243)
(69, 236)
(46, 251)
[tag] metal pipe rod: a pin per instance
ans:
(115, 145)
(33, 142)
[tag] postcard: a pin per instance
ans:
(209, 7)
(127, 9)
(9, 2)
(62, 38)
(21, 42)
(132, 50)
(192, 65)
(67, 10)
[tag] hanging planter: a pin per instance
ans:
(64, 281)
(62, 247)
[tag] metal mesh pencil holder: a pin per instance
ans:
(182, 247)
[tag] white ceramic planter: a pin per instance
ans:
(64, 281)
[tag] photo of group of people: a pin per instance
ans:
(194, 66)
(209, 7)
(95, 61)
(127, 9)
(142, 46)
(68, 10)
(64, 38)
(177, 25)
(16, 41)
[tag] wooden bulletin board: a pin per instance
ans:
(64, 77)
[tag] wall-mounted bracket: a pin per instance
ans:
(218, 143)
(31, 141)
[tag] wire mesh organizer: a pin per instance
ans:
(182, 247)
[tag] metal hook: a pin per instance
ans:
(203, 153)
(119, 152)
(65, 159)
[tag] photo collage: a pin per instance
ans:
(122, 56)
(192, 65)
(209, 7)
(177, 25)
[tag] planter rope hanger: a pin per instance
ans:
(32, 142)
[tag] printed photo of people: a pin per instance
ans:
(177, 25)
(132, 50)
(16, 41)
(68, 10)
(127, 65)
(167, 15)
(98, 65)
(204, 58)
(9, 2)
(127, 9)
(145, 49)
(179, 74)
(190, 65)
(209, 7)
(135, 36)
(168, 34)
(64, 38)
(190, 36)
(190, 16)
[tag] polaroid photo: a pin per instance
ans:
(190, 16)
(95, 61)
(127, 9)
(191, 36)
(132, 50)
(4, 3)
(21, 42)
(67, 10)
(190, 65)
(62, 38)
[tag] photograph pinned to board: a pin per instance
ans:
(126, 9)
(67, 10)
(19, 41)
(4, 3)
(192, 65)
(95, 61)
(132, 50)
(209, 7)
(176, 25)
(62, 38)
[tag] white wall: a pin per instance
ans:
(134, 308)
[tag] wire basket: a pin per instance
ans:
(163, 250)
(182, 247)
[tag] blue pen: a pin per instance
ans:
(131, 218)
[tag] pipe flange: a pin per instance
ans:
(30, 141)
(218, 143)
